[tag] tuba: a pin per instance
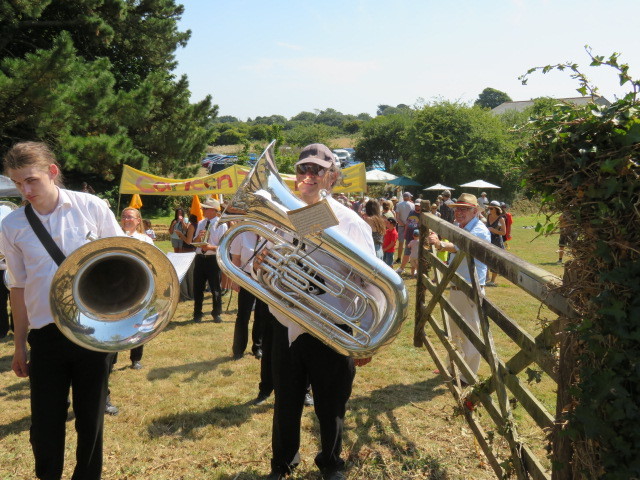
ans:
(289, 279)
(114, 294)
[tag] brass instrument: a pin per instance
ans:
(296, 284)
(114, 294)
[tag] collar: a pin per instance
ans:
(469, 226)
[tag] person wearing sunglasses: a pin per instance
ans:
(300, 358)
(465, 211)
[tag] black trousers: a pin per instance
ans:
(331, 376)
(5, 323)
(246, 301)
(205, 270)
(56, 365)
(267, 321)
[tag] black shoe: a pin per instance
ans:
(258, 353)
(308, 400)
(217, 319)
(335, 475)
(136, 366)
(109, 408)
(238, 356)
(197, 317)
(261, 399)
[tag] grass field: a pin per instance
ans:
(188, 413)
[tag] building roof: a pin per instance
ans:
(524, 104)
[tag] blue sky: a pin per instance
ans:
(284, 57)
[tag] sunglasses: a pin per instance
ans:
(312, 168)
(128, 217)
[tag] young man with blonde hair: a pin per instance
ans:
(56, 365)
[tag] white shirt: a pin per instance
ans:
(403, 209)
(140, 236)
(245, 245)
(215, 233)
(4, 211)
(31, 266)
(359, 233)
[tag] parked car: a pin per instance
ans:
(342, 155)
(215, 162)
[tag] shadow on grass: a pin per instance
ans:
(196, 369)
(18, 387)
(15, 427)
(185, 424)
(376, 424)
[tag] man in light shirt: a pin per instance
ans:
(56, 363)
(206, 267)
(403, 209)
(466, 216)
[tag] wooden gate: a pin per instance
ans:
(504, 387)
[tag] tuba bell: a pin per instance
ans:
(114, 294)
(289, 279)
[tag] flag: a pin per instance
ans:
(136, 202)
(195, 208)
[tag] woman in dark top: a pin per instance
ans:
(497, 228)
(187, 237)
(178, 224)
(377, 222)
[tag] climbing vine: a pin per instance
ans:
(584, 162)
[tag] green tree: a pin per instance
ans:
(307, 117)
(452, 143)
(330, 117)
(93, 80)
(302, 135)
(491, 98)
(383, 140)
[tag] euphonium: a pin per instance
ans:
(288, 276)
(114, 294)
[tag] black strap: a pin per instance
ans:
(44, 236)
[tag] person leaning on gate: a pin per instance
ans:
(56, 363)
(298, 357)
(206, 267)
(466, 216)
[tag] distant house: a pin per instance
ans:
(522, 105)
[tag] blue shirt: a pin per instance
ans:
(477, 228)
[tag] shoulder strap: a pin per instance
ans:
(44, 236)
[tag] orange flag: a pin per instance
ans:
(136, 202)
(195, 208)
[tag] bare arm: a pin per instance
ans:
(20, 330)
(502, 228)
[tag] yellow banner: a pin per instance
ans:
(224, 182)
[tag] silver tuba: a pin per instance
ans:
(289, 279)
(114, 294)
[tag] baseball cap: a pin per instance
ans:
(407, 194)
(416, 231)
(319, 154)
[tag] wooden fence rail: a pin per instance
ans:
(495, 393)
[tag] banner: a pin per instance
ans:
(224, 182)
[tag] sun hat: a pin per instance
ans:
(465, 200)
(495, 204)
(319, 154)
(446, 193)
(210, 204)
(407, 194)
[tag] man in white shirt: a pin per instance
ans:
(483, 201)
(206, 267)
(56, 364)
(299, 357)
(403, 209)
(4, 291)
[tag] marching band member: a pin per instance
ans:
(56, 363)
(298, 357)
(206, 268)
(131, 221)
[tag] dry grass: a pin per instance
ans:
(187, 414)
